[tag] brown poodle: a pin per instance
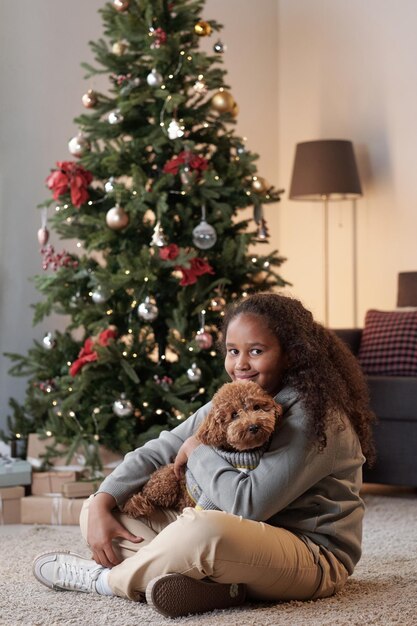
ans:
(242, 418)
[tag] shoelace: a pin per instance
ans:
(72, 576)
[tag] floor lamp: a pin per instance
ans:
(325, 170)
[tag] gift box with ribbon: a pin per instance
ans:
(14, 472)
(52, 509)
(10, 498)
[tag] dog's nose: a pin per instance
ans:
(253, 428)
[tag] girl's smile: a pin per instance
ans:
(253, 352)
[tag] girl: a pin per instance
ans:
(289, 530)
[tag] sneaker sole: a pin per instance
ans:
(37, 574)
(175, 595)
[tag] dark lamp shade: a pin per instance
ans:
(325, 169)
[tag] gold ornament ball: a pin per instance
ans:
(117, 218)
(235, 110)
(121, 5)
(119, 48)
(89, 99)
(202, 29)
(259, 184)
(223, 102)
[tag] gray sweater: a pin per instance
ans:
(313, 494)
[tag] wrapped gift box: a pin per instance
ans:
(37, 448)
(80, 489)
(53, 509)
(51, 482)
(10, 498)
(14, 472)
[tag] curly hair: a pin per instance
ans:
(320, 366)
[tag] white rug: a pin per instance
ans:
(383, 589)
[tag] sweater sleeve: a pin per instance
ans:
(290, 467)
(137, 466)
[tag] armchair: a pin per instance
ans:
(394, 401)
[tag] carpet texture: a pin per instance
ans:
(383, 589)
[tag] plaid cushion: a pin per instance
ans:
(389, 343)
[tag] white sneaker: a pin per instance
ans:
(67, 571)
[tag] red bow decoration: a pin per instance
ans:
(193, 161)
(197, 268)
(87, 353)
(70, 178)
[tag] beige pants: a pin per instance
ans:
(273, 562)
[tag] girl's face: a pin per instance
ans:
(254, 353)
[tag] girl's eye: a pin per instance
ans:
(234, 415)
(256, 351)
(233, 351)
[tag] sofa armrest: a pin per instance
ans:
(351, 337)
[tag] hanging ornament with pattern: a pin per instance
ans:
(204, 235)
(43, 232)
(203, 339)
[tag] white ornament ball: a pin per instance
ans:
(122, 407)
(99, 295)
(147, 310)
(78, 145)
(154, 79)
(117, 218)
(204, 236)
(194, 373)
(109, 185)
(175, 130)
(48, 341)
(115, 117)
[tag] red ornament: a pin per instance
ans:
(57, 259)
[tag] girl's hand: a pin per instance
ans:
(102, 528)
(184, 452)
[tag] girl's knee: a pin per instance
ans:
(207, 526)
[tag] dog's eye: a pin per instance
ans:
(256, 407)
(234, 415)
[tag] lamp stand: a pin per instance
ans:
(354, 264)
(326, 260)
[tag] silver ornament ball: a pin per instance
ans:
(122, 407)
(147, 310)
(78, 146)
(48, 341)
(204, 236)
(115, 117)
(194, 373)
(154, 79)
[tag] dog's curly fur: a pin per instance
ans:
(242, 417)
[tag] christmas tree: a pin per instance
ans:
(151, 196)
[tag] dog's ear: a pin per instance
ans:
(210, 432)
(278, 412)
